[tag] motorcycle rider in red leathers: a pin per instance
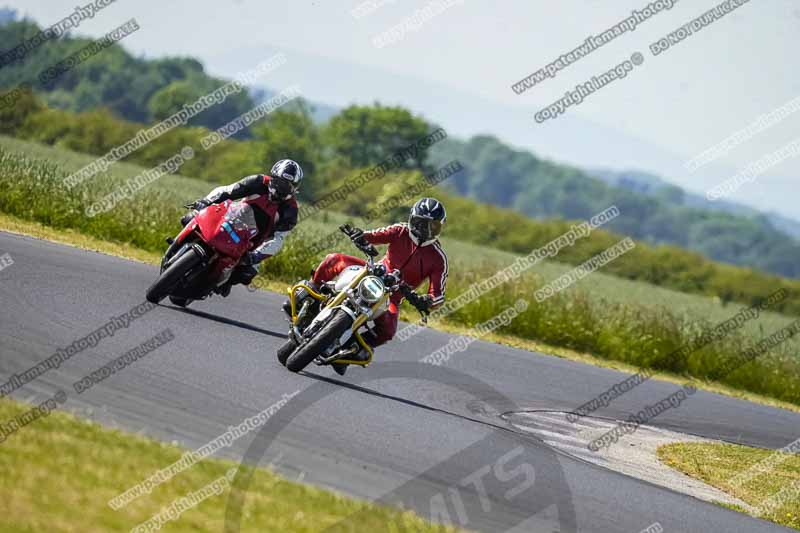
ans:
(414, 249)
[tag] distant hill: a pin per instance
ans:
(136, 89)
(320, 113)
(7, 15)
(651, 184)
(133, 88)
(653, 210)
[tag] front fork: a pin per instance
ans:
(173, 247)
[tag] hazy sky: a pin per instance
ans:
(458, 67)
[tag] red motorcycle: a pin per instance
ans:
(203, 255)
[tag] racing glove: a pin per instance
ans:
(426, 302)
(357, 236)
(201, 204)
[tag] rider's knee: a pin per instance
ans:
(245, 274)
(384, 332)
(250, 273)
(327, 268)
(389, 330)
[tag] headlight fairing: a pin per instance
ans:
(371, 289)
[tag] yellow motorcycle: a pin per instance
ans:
(326, 326)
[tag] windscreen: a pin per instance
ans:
(241, 218)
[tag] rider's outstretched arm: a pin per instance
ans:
(384, 235)
(255, 184)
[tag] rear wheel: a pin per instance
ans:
(330, 332)
(174, 273)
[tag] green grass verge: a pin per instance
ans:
(728, 467)
(612, 319)
(58, 474)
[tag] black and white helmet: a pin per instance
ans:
(286, 176)
(426, 221)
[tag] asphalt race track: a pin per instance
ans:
(400, 431)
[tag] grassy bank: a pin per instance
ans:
(731, 468)
(58, 474)
(617, 320)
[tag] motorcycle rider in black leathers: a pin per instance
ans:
(272, 197)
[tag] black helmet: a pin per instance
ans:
(286, 176)
(426, 221)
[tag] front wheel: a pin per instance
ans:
(286, 350)
(179, 301)
(175, 272)
(330, 332)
